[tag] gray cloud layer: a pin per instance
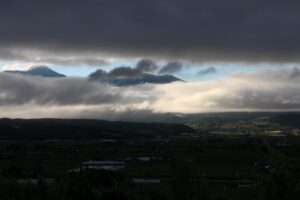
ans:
(58, 58)
(21, 96)
(210, 30)
(18, 89)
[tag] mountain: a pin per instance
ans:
(140, 79)
(43, 71)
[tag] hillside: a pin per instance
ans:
(79, 128)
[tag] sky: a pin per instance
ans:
(232, 55)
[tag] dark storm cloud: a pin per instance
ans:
(295, 73)
(210, 30)
(124, 71)
(209, 70)
(98, 75)
(171, 67)
(144, 65)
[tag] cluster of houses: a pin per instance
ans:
(100, 165)
(115, 165)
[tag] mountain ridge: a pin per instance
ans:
(43, 71)
(143, 78)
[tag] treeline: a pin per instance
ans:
(83, 128)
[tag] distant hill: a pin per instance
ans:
(43, 71)
(82, 128)
(140, 79)
(291, 119)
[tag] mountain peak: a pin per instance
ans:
(39, 70)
